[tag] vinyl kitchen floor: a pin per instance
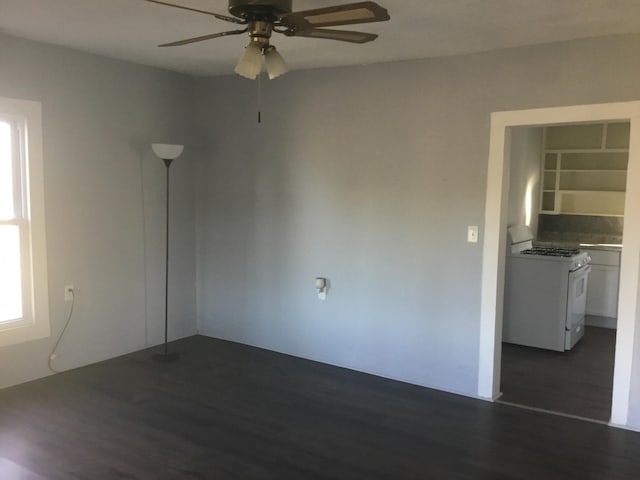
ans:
(577, 382)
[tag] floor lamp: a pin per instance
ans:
(167, 153)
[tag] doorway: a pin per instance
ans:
(495, 243)
(567, 186)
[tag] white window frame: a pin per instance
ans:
(26, 119)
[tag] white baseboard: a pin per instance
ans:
(624, 427)
(600, 321)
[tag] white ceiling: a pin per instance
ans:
(131, 29)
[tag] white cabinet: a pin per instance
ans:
(602, 294)
(602, 297)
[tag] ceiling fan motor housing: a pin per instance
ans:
(252, 9)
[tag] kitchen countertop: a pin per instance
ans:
(611, 247)
(601, 246)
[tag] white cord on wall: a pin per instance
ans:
(53, 354)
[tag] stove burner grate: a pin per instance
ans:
(551, 251)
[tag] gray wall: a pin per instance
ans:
(369, 176)
(524, 176)
(104, 196)
(365, 175)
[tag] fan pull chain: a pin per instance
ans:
(259, 98)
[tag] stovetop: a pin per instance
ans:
(574, 258)
(551, 251)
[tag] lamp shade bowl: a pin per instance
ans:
(167, 151)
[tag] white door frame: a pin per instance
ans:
(495, 244)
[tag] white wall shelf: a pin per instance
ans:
(585, 181)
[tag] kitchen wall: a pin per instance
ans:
(524, 177)
(104, 194)
(370, 176)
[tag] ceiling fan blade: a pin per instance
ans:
(202, 38)
(218, 16)
(341, 35)
(350, 14)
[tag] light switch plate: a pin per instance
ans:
(472, 234)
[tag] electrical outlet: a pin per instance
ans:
(68, 293)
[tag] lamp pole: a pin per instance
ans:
(167, 153)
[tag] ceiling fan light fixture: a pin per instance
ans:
(261, 18)
(274, 62)
(250, 63)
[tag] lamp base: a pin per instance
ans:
(166, 357)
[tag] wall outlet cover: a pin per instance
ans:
(68, 293)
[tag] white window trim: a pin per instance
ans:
(38, 325)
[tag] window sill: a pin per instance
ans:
(20, 332)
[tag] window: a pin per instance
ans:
(24, 309)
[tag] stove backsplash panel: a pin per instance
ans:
(574, 229)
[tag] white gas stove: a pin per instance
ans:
(545, 293)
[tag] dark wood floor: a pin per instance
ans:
(227, 411)
(577, 382)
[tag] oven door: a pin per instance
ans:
(577, 297)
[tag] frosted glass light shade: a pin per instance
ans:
(250, 63)
(275, 63)
(166, 151)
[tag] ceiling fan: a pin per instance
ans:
(261, 18)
